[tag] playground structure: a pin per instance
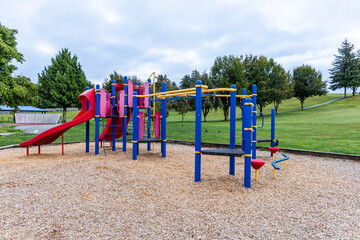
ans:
(137, 102)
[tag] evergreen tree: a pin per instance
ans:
(345, 71)
(63, 81)
(307, 83)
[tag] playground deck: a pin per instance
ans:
(82, 196)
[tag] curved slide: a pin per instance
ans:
(84, 115)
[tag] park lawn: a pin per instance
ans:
(329, 128)
(287, 105)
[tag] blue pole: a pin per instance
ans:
(247, 142)
(232, 129)
(97, 118)
(87, 138)
(272, 128)
(135, 125)
(124, 128)
(149, 118)
(198, 131)
(254, 112)
(113, 96)
(242, 116)
(163, 122)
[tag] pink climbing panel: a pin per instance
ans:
(157, 124)
(141, 125)
(120, 103)
(105, 103)
(146, 92)
(141, 92)
(130, 93)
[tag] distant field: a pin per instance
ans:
(331, 128)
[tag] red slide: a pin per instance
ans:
(107, 134)
(84, 115)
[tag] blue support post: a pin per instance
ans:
(97, 118)
(135, 125)
(87, 138)
(124, 128)
(254, 112)
(149, 118)
(113, 102)
(247, 142)
(163, 122)
(198, 114)
(242, 116)
(272, 128)
(232, 129)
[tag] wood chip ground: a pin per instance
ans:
(83, 196)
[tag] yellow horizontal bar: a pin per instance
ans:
(247, 155)
(254, 111)
(164, 140)
(113, 84)
(125, 84)
(248, 103)
(243, 96)
(248, 129)
(134, 141)
(238, 96)
(197, 152)
(254, 94)
(220, 90)
(97, 115)
(254, 126)
(254, 141)
(113, 97)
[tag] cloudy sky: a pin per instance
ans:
(176, 37)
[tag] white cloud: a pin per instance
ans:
(46, 48)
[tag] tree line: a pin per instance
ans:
(63, 80)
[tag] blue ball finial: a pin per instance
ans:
(198, 82)
(233, 86)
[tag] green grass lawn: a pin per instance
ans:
(287, 105)
(332, 128)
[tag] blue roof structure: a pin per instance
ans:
(23, 109)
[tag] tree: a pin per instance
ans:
(307, 83)
(170, 85)
(345, 71)
(14, 91)
(106, 84)
(63, 81)
(258, 70)
(228, 70)
(208, 103)
(280, 87)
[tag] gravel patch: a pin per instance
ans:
(82, 196)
